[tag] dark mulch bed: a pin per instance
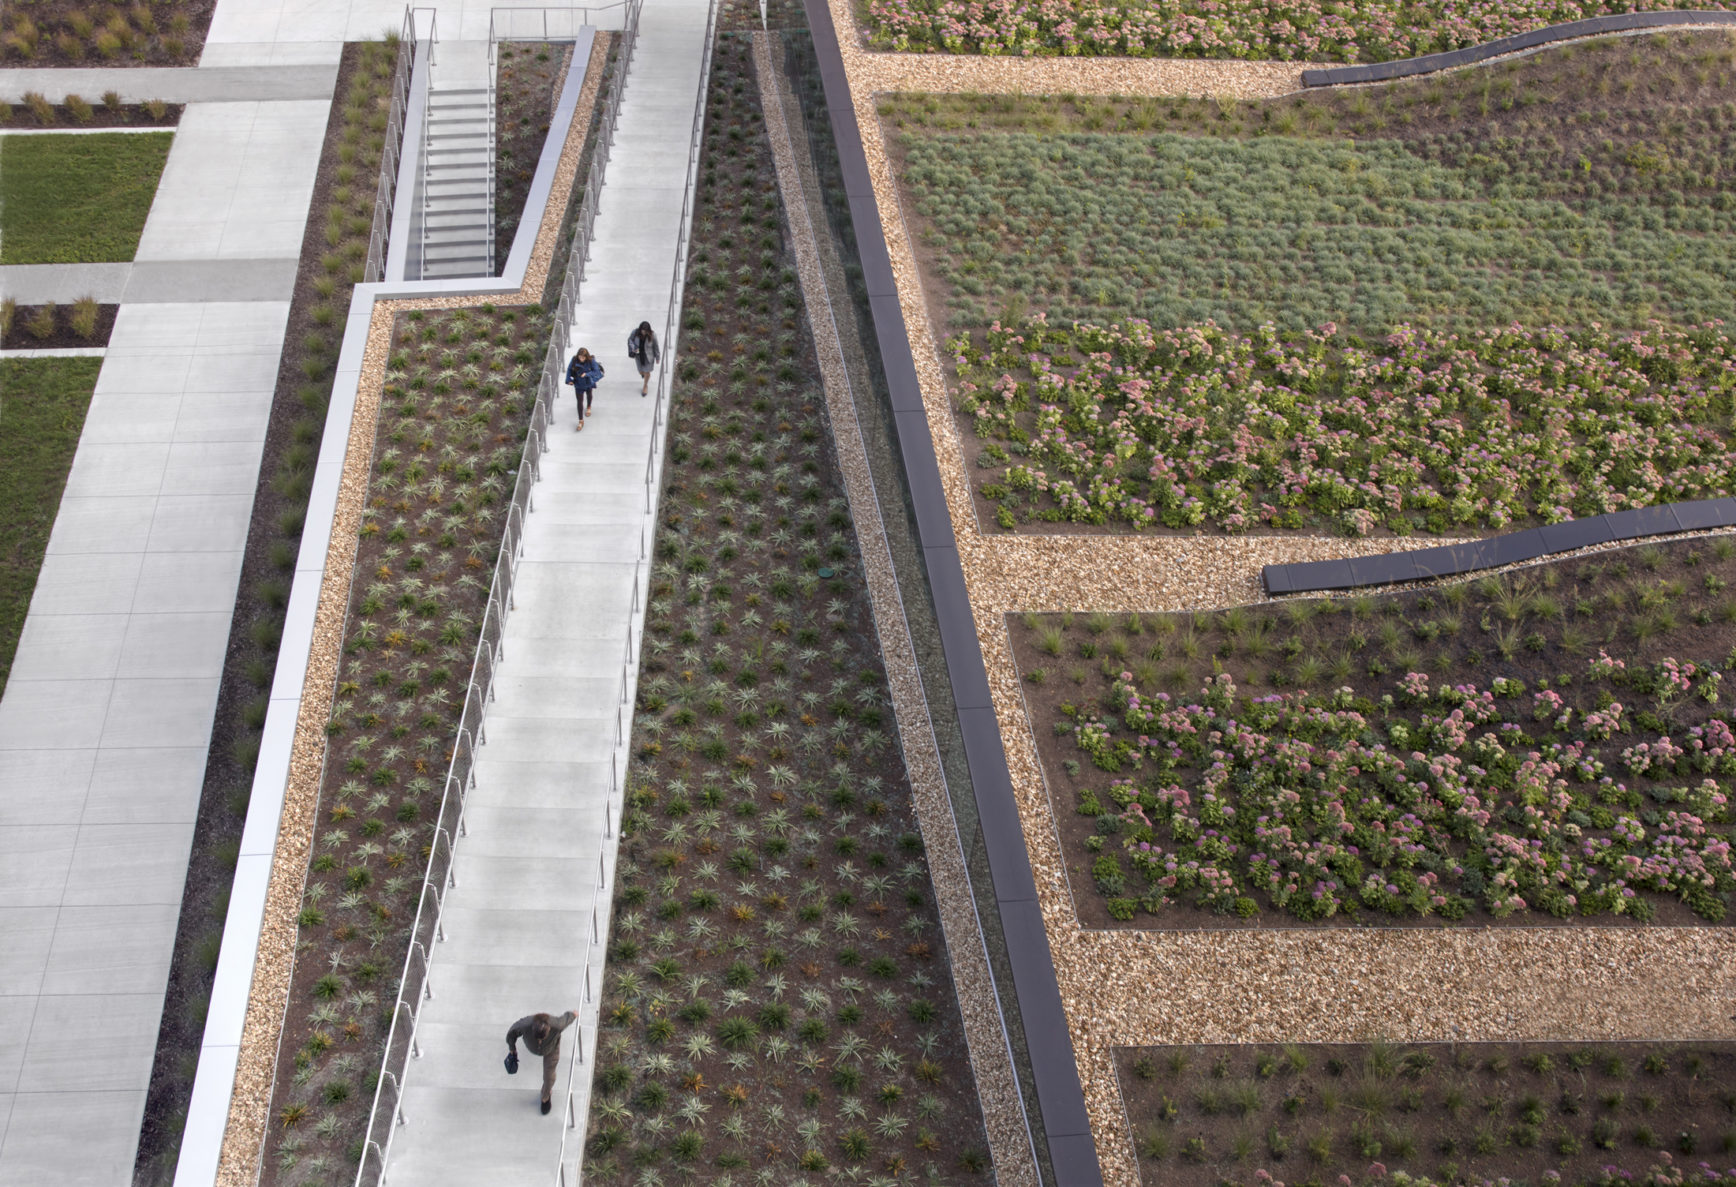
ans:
(20, 335)
(97, 113)
(528, 86)
(778, 1000)
(70, 33)
(1468, 1112)
(343, 195)
(1540, 627)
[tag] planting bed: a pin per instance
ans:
(77, 199)
(44, 402)
(459, 390)
(1357, 31)
(71, 33)
(78, 112)
(528, 86)
(1531, 1113)
(1549, 745)
(334, 252)
(1463, 203)
(39, 327)
(778, 1003)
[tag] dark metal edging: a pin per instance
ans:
(1590, 27)
(1054, 1072)
(1449, 560)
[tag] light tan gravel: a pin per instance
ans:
(985, 1038)
(274, 966)
(1132, 988)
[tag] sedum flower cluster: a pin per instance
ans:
(1198, 428)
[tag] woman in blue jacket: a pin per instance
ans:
(583, 374)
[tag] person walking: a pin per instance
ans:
(542, 1036)
(642, 348)
(584, 373)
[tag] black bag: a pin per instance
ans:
(633, 345)
(512, 1063)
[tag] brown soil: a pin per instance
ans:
(1641, 605)
(291, 447)
(775, 931)
(73, 33)
(20, 336)
(100, 115)
(744, 15)
(529, 81)
(1470, 1112)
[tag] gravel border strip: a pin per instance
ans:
(985, 1035)
(268, 999)
(1256, 986)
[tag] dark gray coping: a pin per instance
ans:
(1450, 560)
(1591, 27)
(1054, 1071)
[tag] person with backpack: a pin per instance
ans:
(642, 348)
(584, 373)
(542, 1036)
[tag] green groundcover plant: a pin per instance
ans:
(1176, 229)
(1424, 432)
(42, 407)
(77, 199)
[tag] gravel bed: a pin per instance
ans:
(1125, 988)
(984, 1036)
(256, 1069)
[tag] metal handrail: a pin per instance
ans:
(513, 24)
(385, 196)
(449, 824)
(630, 662)
(427, 125)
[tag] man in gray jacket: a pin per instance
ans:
(542, 1036)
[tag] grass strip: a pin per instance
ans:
(42, 407)
(77, 199)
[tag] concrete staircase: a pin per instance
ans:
(458, 211)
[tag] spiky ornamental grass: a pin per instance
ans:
(459, 390)
(778, 1007)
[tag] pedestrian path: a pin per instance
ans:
(519, 923)
(106, 718)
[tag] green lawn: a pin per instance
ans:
(77, 199)
(42, 407)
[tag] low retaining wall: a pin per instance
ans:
(1626, 22)
(1450, 560)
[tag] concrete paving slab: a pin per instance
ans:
(93, 583)
(156, 712)
(134, 863)
(55, 715)
(155, 786)
(225, 279)
(186, 646)
(117, 470)
(34, 284)
(213, 467)
(122, 949)
(100, 1128)
(187, 581)
(200, 523)
(129, 1027)
(44, 786)
(26, 935)
(101, 525)
(34, 860)
(70, 647)
(128, 417)
(181, 84)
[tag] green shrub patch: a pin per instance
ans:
(77, 199)
(1417, 1115)
(1551, 744)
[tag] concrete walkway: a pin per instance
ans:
(519, 923)
(171, 84)
(107, 716)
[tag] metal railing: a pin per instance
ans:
(427, 929)
(630, 661)
(385, 196)
(427, 125)
(551, 24)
